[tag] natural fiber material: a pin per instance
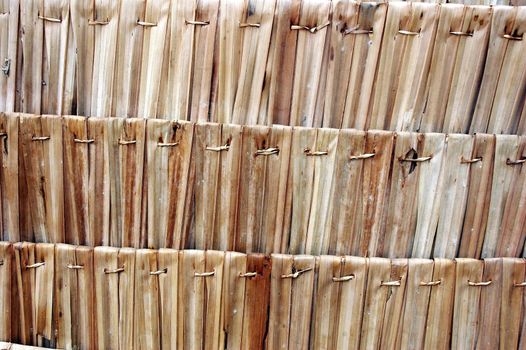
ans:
(158, 183)
(168, 298)
(330, 63)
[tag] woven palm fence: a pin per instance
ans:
(110, 298)
(262, 174)
(165, 184)
(341, 64)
